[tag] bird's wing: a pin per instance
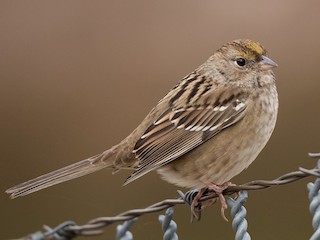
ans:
(180, 129)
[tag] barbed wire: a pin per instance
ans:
(69, 230)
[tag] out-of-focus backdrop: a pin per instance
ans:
(77, 76)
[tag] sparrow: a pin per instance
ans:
(209, 127)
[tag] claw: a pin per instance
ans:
(195, 210)
(224, 206)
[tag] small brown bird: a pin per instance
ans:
(206, 130)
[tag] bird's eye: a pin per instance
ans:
(241, 62)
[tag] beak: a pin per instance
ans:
(266, 63)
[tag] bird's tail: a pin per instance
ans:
(72, 171)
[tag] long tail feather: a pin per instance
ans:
(72, 171)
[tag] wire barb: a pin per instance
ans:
(60, 232)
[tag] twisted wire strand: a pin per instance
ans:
(314, 197)
(123, 232)
(169, 227)
(239, 213)
(95, 226)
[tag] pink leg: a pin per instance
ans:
(195, 203)
(219, 190)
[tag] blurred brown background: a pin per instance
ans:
(78, 76)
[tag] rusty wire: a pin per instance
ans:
(70, 230)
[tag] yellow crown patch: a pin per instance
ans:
(249, 49)
(254, 47)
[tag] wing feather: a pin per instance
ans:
(181, 129)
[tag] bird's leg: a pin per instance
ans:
(218, 189)
(194, 204)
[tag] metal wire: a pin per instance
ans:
(169, 227)
(123, 232)
(239, 213)
(314, 197)
(96, 225)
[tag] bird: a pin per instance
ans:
(208, 128)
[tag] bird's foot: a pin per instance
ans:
(193, 198)
(218, 189)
